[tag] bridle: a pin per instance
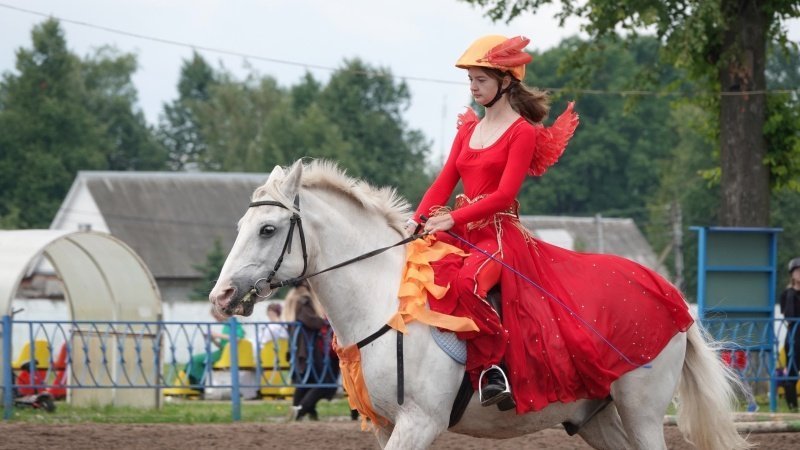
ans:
(296, 221)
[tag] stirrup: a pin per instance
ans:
(500, 396)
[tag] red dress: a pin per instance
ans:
(592, 317)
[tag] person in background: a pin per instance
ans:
(790, 308)
(273, 331)
(197, 366)
(311, 341)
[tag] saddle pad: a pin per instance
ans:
(450, 344)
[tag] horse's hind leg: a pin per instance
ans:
(604, 431)
(643, 395)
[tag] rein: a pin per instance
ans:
(287, 249)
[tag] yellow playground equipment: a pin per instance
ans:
(245, 351)
(41, 353)
(181, 384)
(180, 387)
(276, 369)
(781, 365)
(274, 362)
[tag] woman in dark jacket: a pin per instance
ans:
(790, 308)
(314, 362)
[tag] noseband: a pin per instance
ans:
(295, 220)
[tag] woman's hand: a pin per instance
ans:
(411, 227)
(439, 223)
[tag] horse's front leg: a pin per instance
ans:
(383, 434)
(416, 429)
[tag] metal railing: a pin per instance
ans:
(80, 355)
(83, 355)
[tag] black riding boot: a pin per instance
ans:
(496, 390)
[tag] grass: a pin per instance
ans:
(176, 411)
(204, 411)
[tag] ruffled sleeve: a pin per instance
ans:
(553, 140)
(466, 118)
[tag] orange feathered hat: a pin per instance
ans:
(498, 52)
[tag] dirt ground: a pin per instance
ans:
(305, 435)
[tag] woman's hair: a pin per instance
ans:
(275, 307)
(292, 300)
(530, 103)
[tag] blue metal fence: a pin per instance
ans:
(159, 356)
(156, 355)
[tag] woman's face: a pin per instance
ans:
(482, 86)
(796, 276)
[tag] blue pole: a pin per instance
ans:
(8, 395)
(234, 342)
(773, 280)
(701, 273)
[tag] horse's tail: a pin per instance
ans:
(707, 396)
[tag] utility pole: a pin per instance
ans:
(676, 217)
(598, 220)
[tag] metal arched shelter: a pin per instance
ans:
(103, 280)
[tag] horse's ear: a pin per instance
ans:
(291, 182)
(276, 173)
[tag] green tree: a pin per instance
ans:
(681, 185)
(112, 99)
(723, 46)
(682, 182)
(209, 271)
(178, 130)
(60, 114)
(47, 130)
(613, 160)
(367, 106)
(354, 119)
(234, 123)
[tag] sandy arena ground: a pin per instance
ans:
(304, 435)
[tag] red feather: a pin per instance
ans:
(466, 117)
(509, 53)
(553, 140)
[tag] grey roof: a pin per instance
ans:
(171, 219)
(620, 236)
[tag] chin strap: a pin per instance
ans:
(497, 96)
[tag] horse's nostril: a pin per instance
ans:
(223, 298)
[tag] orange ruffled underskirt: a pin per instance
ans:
(415, 288)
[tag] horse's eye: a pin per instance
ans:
(267, 230)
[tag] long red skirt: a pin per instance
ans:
(585, 320)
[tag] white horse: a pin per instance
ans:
(342, 218)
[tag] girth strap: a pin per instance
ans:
(400, 373)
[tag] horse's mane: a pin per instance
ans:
(327, 175)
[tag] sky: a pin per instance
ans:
(418, 40)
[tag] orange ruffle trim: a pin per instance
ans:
(417, 283)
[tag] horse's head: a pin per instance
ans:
(268, 247)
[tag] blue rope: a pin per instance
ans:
(552, 297)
